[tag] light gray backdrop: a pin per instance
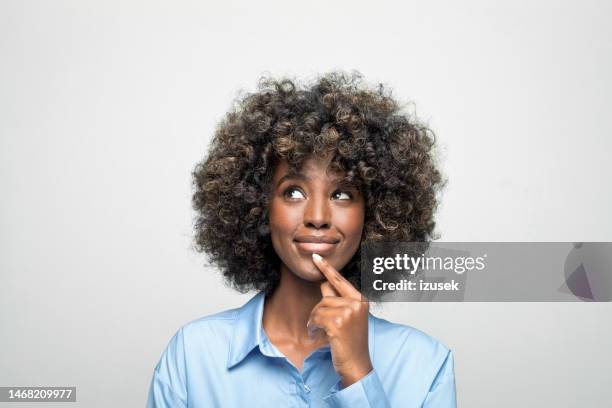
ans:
(106, 106)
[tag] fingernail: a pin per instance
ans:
(311, 330)
(316, 256)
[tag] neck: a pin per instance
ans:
(287, 310)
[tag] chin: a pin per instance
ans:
(308, 273)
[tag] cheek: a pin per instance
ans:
(281, 220)
(277, 232)
(352, 223)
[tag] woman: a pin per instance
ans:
(295, 180)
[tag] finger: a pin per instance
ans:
(333, 301)
(328, 319)
(330, 301)
(315, 326)
(328, 290)
(334, 277)
(316, 333)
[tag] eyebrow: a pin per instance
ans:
(292, 176)
(341, 181)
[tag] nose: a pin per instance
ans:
(317, 213)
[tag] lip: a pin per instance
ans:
(321, 248)
(325, 239)
(318, 244)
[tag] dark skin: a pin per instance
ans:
(314, 305)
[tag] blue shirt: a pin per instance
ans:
(226, 360)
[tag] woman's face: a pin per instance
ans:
(313, 213)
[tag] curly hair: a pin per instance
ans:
(386, 153)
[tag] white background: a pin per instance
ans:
(106, 107)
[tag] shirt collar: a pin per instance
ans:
(248, 332)
(247, 329)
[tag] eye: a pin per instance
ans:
(293, 193)
(342, 195)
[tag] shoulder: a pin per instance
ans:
(201, 343)
(393, 333)
(204, 336)
(400, 344)
(416, 368)
(203, 332)
(219, 324)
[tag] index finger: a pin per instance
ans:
(339, 282)
(328, 290)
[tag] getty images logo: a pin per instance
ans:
(588, 272)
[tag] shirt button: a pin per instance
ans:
(306, 388)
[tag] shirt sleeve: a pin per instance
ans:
(161, 395)
(168, 386)
(368, 392)
(442, 392)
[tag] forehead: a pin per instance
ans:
(313, 167)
